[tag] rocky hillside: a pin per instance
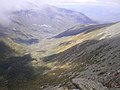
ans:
(94, 64)
(86, 61)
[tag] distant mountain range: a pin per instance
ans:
(30, 26)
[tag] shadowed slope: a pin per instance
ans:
(76, 30)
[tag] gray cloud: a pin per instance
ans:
(7, 6)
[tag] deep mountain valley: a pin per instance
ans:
(58, 49)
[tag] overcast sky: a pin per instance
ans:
(18, 4)
(85, 6)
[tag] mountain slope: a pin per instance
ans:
(57, 45)
(79, 29)
(94, 59)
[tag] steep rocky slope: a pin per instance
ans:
(92, 61)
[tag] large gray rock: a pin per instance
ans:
(85, 84)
